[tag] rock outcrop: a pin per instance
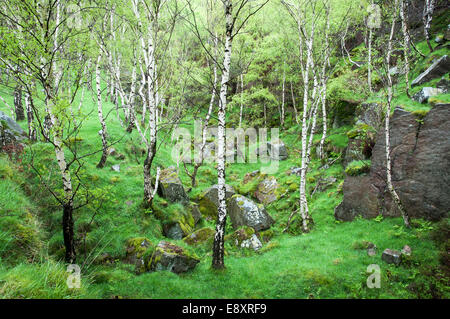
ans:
(420, 152)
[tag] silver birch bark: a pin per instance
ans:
(427, 18)
(406, 40)
(390, 186)
(219, 237)
(103, 132)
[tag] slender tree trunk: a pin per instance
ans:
(282, 96)
(369, 63)
(18, 105)
(390, 186)
(219, 247)
(103, 131)
(293, 105)
(304, 211)
(427, 18)
(242, 100)
(406, 40)
(30, 116)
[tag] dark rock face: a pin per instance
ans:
(170, 186)
(420, 154)
(437, 69)
(245, 212)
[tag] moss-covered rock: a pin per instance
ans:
(355, 168)
(170, 186)
(171, 257)
(136, 250)
(209, 200)
(267, 190)
(245, 237)
(245, 212)
(200, 236)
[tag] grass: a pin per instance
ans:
(321, 264)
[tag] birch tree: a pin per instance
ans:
(389, 183)
(427, 17)
(39, 45)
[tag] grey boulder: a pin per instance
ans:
(245, 212)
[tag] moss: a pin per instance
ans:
(420, 114)
(293, 187)
(355, 168)
(139, 246)
(241, 234)
(266, 235)
(200, 236)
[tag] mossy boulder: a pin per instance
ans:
(170, 186)
(245, 212)
(209, 200)
(267, 191)
(200, 236)
(245, 237)
(172, 258)
(179, 224)
(136, 251)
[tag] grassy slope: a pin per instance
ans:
(326, 263)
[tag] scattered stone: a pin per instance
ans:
(371, 249)
(266, 192)
(439, 39)
(406, 250)
(245, 237)
(200, 236)
(170, 186)
(423, 95)
(294, 171)
(252, 243)
(437, 69)
(116, 168)
(112, 151)
(245, 212)
(391, 256)
(173, 258)
(209, 200)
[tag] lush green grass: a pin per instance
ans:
(325, 263)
